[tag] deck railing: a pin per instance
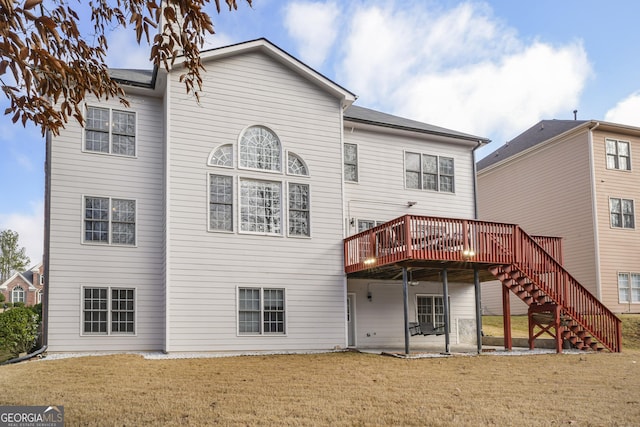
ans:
(446, 239)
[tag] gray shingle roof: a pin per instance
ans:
(366, 115)
(540, 132)
(142, 78)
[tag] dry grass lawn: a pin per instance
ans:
(334, 389)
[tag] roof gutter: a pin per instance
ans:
(594, 211)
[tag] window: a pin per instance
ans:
(17, 295)
(295, 165)
(260, 206)
(351, 162)
(222, 156)
(39, 297)
(110, 131)
(621, 213)
(299, 210)
(109, 221)
(260, 149)
(629, 287)
(261, 311)
(430, 309)
(618, 154)
(220, 203)
(103, 315)
(428, 172)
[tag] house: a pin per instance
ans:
(575, 179)
(25, 287)
(271, 215)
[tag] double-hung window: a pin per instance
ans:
(299, 224)
(618, 154)
(109, 221)
(108, 311)
(261, 311)
(621, 213)
(110, 131)
(629, 287)
(429, 172)
(430, 309)
(17, 294)
(351, 162)
(220, 202)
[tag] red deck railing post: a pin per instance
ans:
(407, 236)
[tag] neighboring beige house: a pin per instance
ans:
(574, 179)
(24, 286)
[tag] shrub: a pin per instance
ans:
(2, 297)
(37, 309)
(19, 304)
(18, 330)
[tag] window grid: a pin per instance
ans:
(260, 206)
(260, 149)
(618, 154)
(222, 156)
(629, 287)
(429, 172)
(110, 131)
(109, 221)
(17, 294)
(220, 202)
(621, 213)
(351, 162)
(295, 165)
(255, 304)
(430, 309)
(299, 210)
(95, 311)
(122, 310)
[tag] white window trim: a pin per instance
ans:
(297, 236)
(617, 155)
(24, 294)
(287, 152)
(437, 156)
(283, 160)
(234, 203)
(283, 206)
(109, 333)
(262, 333)
(233, 156)
(82, 218)
(111, 109)
(630, 288)
(415, 303)
(357, 162)
(622, 210)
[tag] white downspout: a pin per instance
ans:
(594, 210)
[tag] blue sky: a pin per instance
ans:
(490, 68)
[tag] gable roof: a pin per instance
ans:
(147, 78)
(15, 276)
(365, 115)
(540, 132)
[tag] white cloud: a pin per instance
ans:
(30, 228)
(626, 112)
(313, 25)
(460, 68)
(125, 52)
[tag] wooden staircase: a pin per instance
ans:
(558, 304)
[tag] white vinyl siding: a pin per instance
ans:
(307, 121)
(76, 175)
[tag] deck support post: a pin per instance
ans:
(506, 318)
(445, 304)
(405, 302)
(476, 285)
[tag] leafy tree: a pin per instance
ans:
(53, 66)
(12, 258)
(18, 330)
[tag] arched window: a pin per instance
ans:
(295, 165)
(17, 295)
(221, 156)
(260, 149)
